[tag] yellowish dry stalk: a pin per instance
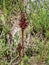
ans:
(43, 55)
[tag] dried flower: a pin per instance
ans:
(19, 48)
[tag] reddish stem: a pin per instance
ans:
(23, 41)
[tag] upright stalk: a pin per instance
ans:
(23, 41)
(23, 25)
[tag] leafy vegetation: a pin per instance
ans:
(36, 35)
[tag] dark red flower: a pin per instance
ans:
(23, 24)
